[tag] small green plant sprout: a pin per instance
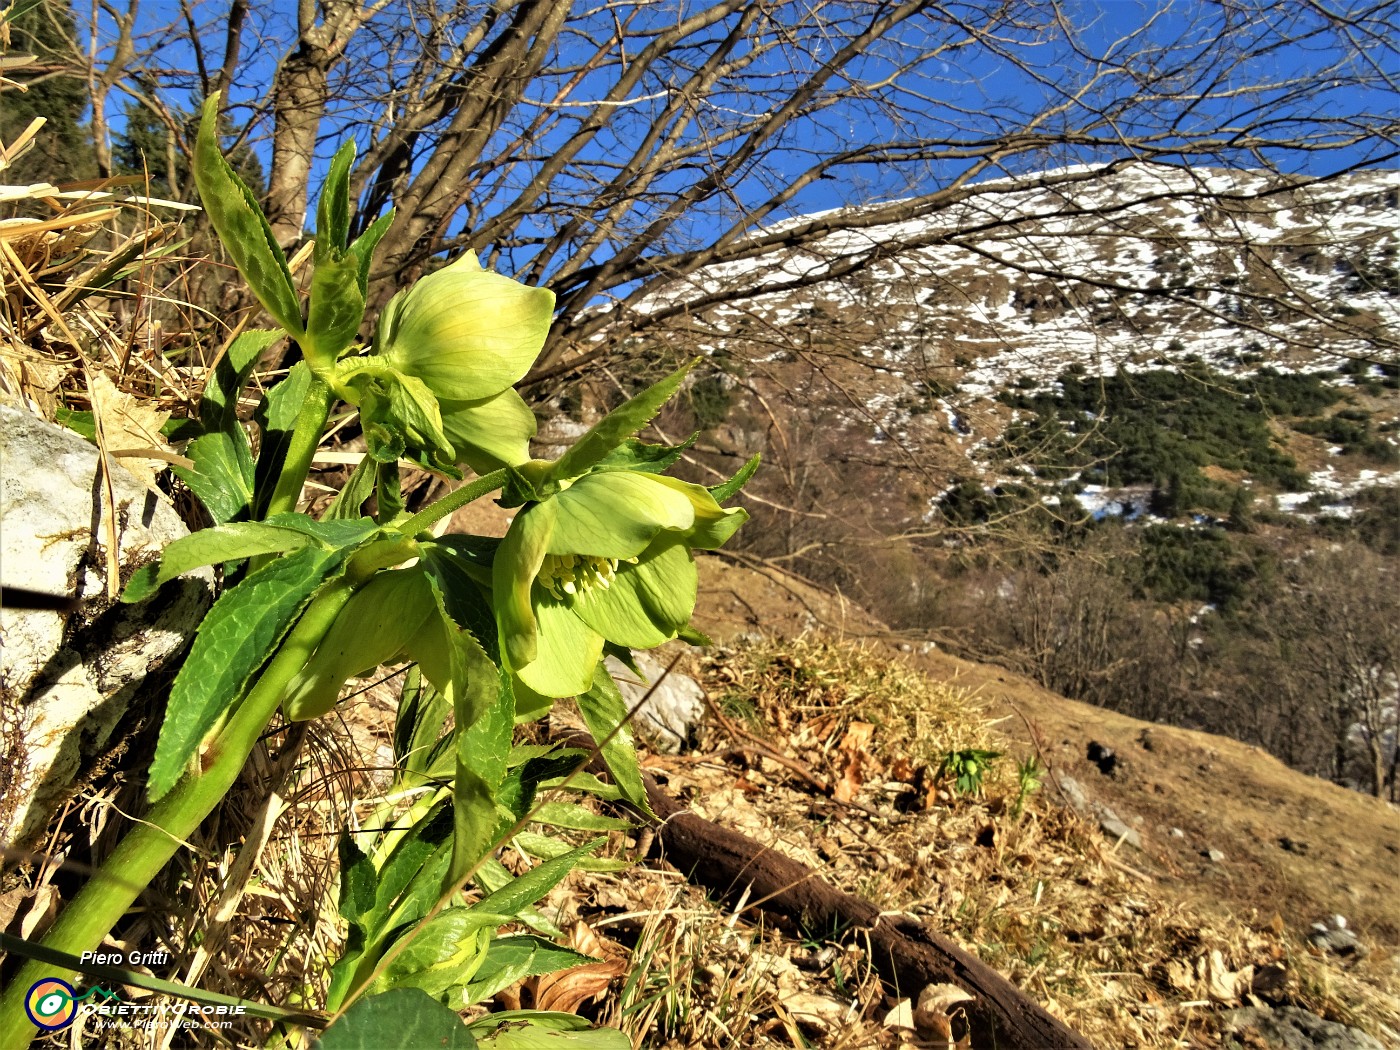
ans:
(1030, 774)
(598, 560)
(966, 768)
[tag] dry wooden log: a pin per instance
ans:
(908, 955)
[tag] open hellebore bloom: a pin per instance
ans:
(608, 557)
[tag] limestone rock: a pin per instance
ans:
(69, 676)
(672, 710)
(1293, 1028)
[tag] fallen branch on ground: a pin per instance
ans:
(908, 955)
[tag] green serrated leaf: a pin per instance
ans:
(484, 711)
(587, 783)
(349, 500)
(569, 815)
(729, 489)
(693, 636)
(218, 408)
(423, 713)
(233, 641)
(510, 959)
(444, 953)
(546, 847)
(276, 417)
(333, 209)
(222, 543)
(537, 1030)
(534, 884)
(650, 459)
(365, 243)
(222, 477)
(616, 427)
(81, 423)
(410, 881)
(605, 712)
(357, 880)
(336, 310)
(492, 875)
(343, 532)
(400, 1017)
(242, 228)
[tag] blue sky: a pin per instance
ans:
(970, 91)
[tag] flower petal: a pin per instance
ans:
(513, 570)
(491, 433)
(567, 650)
(617, 514)
(647, 603)
(373, 628)
(465, 331)
(713, 523)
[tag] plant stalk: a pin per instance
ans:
(430, 515)
(150, 844)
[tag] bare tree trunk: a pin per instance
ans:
(298, 106)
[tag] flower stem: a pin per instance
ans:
(150, 844)
(425, 518)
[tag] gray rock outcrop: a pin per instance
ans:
(70, 674)
(673, 709)
(1293, 1028)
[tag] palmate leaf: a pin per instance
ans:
(243, 230)
(399, 1017)
(232, 642)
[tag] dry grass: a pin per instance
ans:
(1042, 896)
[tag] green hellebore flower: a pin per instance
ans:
(466, 332)
(396, 615)
(456, 341)
(607, 558)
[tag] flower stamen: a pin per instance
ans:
(576, 574)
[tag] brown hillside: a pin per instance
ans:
(1294, 846)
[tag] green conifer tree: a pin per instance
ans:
(52, 88)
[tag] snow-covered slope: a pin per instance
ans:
(1141, 267)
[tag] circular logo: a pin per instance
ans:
(51, 1004)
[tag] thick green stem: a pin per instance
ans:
(426, 517)
(306, 435)
(149, 845)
